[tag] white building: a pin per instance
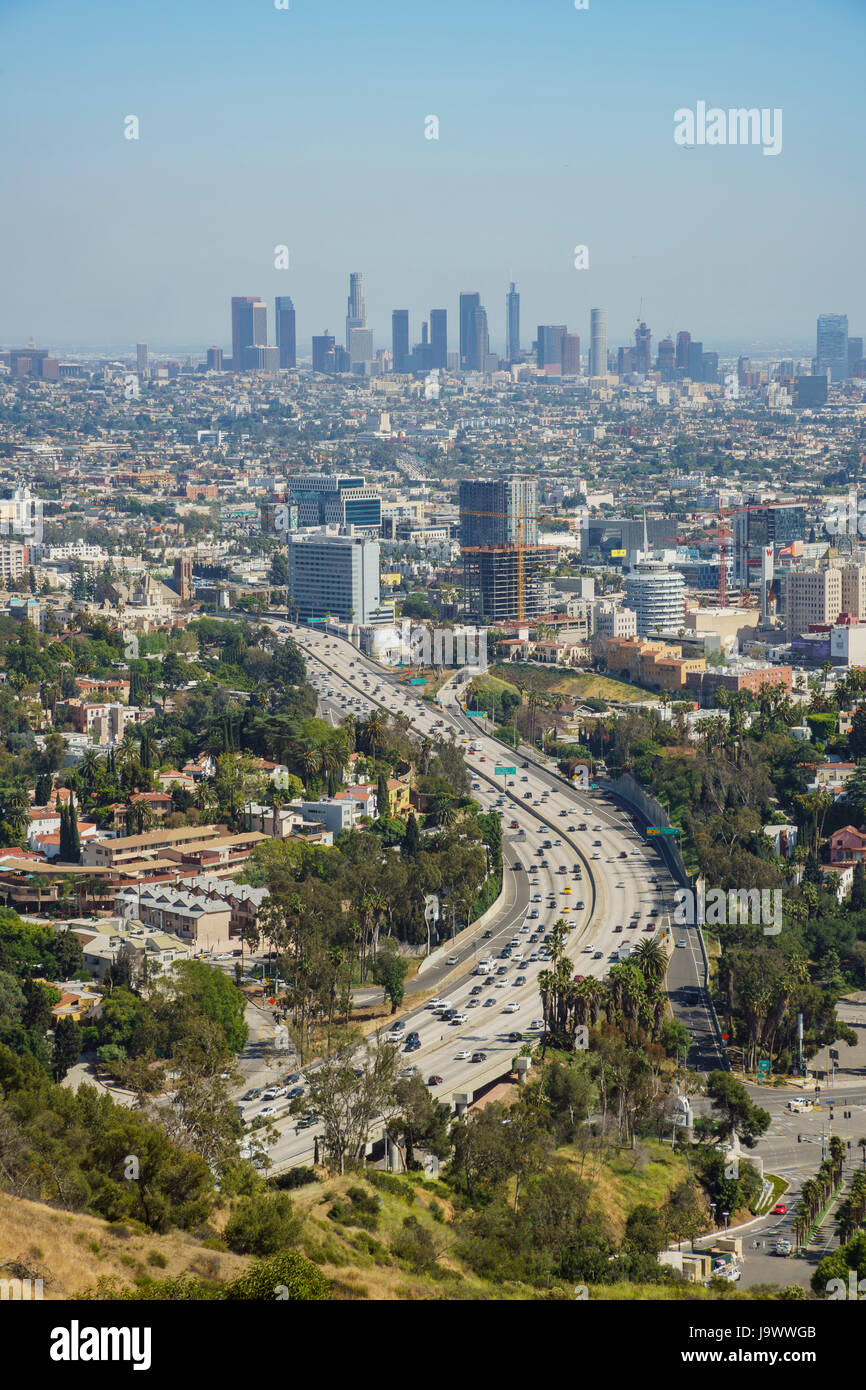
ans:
(656, 595)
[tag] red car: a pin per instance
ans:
(577, 977)
(434, 1080)
(780, 1209)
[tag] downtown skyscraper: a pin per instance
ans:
(249, 329)
(469, 302)
(832, 346)
(512, 324)
(356, 307)
(400, 339)
(439, 338)
(598, 343)
(284, 318)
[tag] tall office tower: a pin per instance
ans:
(666, 360)
(695, 367)
(400, 339)
(833, 345)
(548, 347)
(360, 349)
(598, 342)
(439, 338)
(479, 341)
(468, 304)
(323, 353)
(812, 596)
(683, 340)
(249, 327)
(284, 314)
(344, 498)
(425, 333)
(711, 367)
(333, 573)
(214, 359)
(855, 352)
(624, 361)
(570, 354)
(342, 359)
(493, 515)
(754, 530)
(141, 358)
(356, 305)
(512, 325)
(854, 590)
(744, 367)
(643, 349)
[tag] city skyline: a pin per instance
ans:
(150, 241)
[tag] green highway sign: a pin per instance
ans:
(316, 620)
(663, 830)
(764, 1065)
(417, 680)
(505, 771)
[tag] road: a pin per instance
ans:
(597, 872)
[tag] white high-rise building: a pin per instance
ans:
(656, 595)
(598, 343)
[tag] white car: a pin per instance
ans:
(682, 943)
(435, 1003)
(463, 1055)
(536, 1025)
(511, 1009)
(460, 1018)
(453, 960)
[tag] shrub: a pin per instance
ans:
(283, 1277)
(262, 1225)
(157, 1259)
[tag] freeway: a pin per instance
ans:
(583, 859)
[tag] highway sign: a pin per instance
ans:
(476, 714)
(504, 771)
(417, 680)
(663, 830)
(316, 620)
(764, 1066)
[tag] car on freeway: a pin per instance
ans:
(476, 989)
(780, 1209)
(479, 1057)
(434, 1080)
(463, 1055)
(409, 1071)
(488, 1003)
(435, 1003)
(292, 1079)
(295, 1092)
(682, 943)
(453, 960)
(488, 934)
(536, 1025)
(597, 955)
(268, 1110)
(521, 980)
(783, 1247)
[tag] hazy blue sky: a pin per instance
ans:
(306, 127)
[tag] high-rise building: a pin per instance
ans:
(683, 341)
(570, 354)
(342, 498)
(491, 513)
(855, 353)
(439, 338)
(284, 314)
(666, 359)
(624, 361)
(854, 589)
(214, 359)
(656, 595)
(695, 368)
(249, 327)
(598, 343)
(643, 349)
(548, 346)
(479, 340)
(512, 325)
(759, 527)
(711, 367)
(261, 359)
(323, 353)
(833, 346)
(810, 391)
(400, 339)
(468, 304)
(812, 596)
(360, 349)
(333, 574)
(141, 358)
(356, 306)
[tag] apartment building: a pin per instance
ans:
(813, 596)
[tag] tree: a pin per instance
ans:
(383, 800)
(645, 1231)
(347, 1103)
(389, 971)
(412, 842)
(262, 1224)
(44, 786)
(67, 1046)
(738, 1114)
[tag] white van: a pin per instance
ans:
(799, 1107)
(483, 967)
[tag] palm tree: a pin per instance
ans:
(651, 958)
(374, 729)
(443, 810)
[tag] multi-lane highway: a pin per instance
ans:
(581, 858)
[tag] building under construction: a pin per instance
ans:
(492, 581)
